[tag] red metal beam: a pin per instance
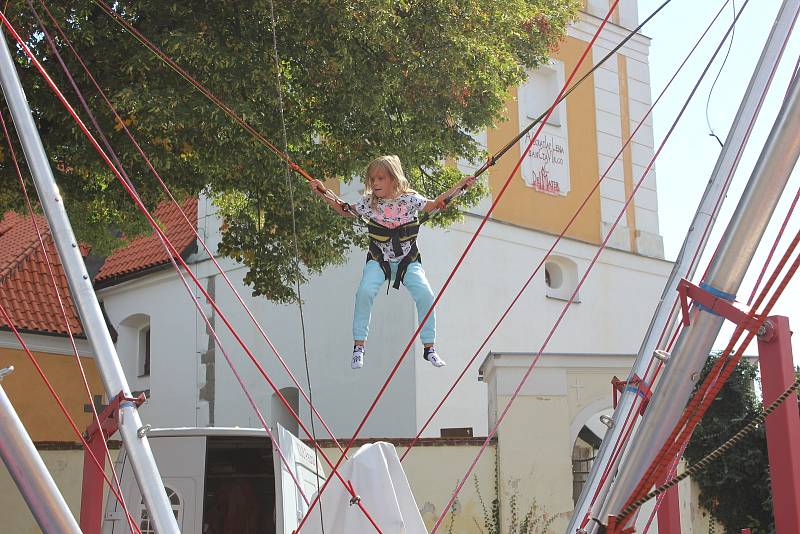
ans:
(783, 425)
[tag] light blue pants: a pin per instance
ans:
(371, 281)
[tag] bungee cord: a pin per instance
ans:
(567, 306)
(460, 261)
(558, 239)
(62, 308)
(711, 132)
(174, 252)
(209, 325)
(619, 445)
(63, 409)
(189, 224)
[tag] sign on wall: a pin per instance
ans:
(546, 166)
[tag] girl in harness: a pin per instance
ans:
(391, 207)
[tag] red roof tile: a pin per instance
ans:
(26, 290)
(147, 251)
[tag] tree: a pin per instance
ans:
(736, 488)
(360, 78)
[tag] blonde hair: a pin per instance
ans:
(390, 164)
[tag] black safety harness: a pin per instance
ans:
(382, 234)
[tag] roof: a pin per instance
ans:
(147, 251)
(26, 290)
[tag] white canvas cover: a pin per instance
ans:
(379, 479)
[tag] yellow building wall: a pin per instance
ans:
(526, 207)
(433, 473)
(33, 402)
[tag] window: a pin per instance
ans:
(144, 351)
(147, 526)
(561, 278)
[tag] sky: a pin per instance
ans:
(686, 163)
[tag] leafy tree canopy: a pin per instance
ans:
(360, 78)
(736, 488)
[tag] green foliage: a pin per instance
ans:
(360, 78)
(735, 489)
(535, 520)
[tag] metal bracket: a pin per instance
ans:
(109, 417)
(714, 303)
(637, 385)
(6, 371)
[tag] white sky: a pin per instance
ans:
(686, 162)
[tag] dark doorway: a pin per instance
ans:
(239, 495)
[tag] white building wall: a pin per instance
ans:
(612, 314)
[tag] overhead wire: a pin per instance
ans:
(174, 252)
(298, 275)
(716, 79)
(501, 417)
(468, 247)
(191, 226)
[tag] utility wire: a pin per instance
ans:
(298, 274)
(716, 79)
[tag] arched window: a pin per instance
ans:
(146, 524)
(135, 347)
(561, 278)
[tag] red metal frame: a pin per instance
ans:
(718, 305)
(783, 425)
(91, 521)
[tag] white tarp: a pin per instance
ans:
(378, 478)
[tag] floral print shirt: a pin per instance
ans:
(392, 213)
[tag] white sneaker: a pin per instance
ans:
(434, 358)
(358, 357)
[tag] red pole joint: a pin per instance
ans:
(716, 302)
(96, 435)
(636, 385)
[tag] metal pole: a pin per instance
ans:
(728, 267)
(783, 425)
(30, 474)
(695, 240)
(82, 292)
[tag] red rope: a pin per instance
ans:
(716, 378)
(172, 260)
(62, 308)
(575, 292)
(559, 238)
(189, 224)
(64, 410)
(696, 256)
(463, 255)
(213, 98)
(774, 246)
(174, 252)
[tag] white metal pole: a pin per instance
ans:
(736, 250)
(82, 292)
(695, 240)
(26, 467)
